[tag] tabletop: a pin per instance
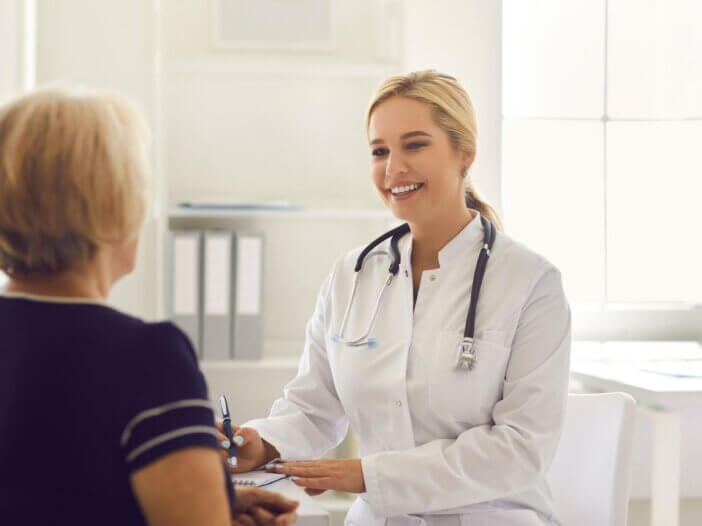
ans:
(657, 374)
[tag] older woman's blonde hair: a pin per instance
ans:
(73, 170)
(453, 112)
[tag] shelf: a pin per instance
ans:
(332, 213)
(179, 218)
(250, 365)
(296, 68)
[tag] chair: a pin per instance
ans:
(589, 477)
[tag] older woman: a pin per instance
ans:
(104, 418)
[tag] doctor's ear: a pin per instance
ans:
(467, 159)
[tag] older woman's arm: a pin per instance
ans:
(183, 488)
(169, 441)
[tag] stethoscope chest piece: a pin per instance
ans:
(467, 357)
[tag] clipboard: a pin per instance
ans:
(256, 478)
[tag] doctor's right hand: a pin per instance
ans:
(252, 451)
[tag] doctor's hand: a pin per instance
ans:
(252, 451)
(317, 476)
(257, 507)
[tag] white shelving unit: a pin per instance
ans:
(300, 249)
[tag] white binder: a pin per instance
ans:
(217, 295)
(185, 284)
(248, 297)
(232, 290)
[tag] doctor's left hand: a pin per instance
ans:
(317, 476)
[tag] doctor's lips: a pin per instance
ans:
(404, 189)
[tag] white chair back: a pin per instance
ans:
(589, 477)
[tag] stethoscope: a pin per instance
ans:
(466, 354)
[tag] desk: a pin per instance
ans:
(645, 371)
(310, 513)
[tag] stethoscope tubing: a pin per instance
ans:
(466, 354)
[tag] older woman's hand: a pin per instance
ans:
(258, 507)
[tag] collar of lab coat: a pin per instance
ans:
(468, 238)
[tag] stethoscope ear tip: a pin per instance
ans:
(335, 338)
(372, 343)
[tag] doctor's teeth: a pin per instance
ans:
(404, 189)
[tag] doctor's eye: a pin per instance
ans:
(379, 152)
(415, 145)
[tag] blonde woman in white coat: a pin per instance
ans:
(439, 444)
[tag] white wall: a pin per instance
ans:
(464, 38)
(107, 45)
(10, 49)
(16, 54)
(253, 125)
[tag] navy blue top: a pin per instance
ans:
(87, 396)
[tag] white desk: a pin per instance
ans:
(310, 513)
(644, 370)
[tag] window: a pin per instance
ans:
(602, 122)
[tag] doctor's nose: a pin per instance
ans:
(395, 166)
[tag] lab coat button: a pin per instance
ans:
(432, 277)
(398, 403)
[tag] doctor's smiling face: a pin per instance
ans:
(414, 165)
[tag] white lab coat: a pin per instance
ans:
(438, 445)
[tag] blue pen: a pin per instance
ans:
(227, 425)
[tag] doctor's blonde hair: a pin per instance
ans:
(453, 112)
(73, 171)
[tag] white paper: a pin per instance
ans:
(256, 478)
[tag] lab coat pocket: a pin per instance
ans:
(468, 395)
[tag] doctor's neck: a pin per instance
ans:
(428, 238)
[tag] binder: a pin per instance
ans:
(248, 297)
(218, 308)
(185, 284)
(232, 296)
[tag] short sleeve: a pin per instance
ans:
(166, 407)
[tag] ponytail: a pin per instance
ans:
(475, 201)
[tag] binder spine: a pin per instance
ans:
(217, 298)
(248, 297)
(185, 284)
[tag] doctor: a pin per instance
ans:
(449, 435)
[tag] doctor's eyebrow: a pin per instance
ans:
(416, 133)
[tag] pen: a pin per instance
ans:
(227, 425)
